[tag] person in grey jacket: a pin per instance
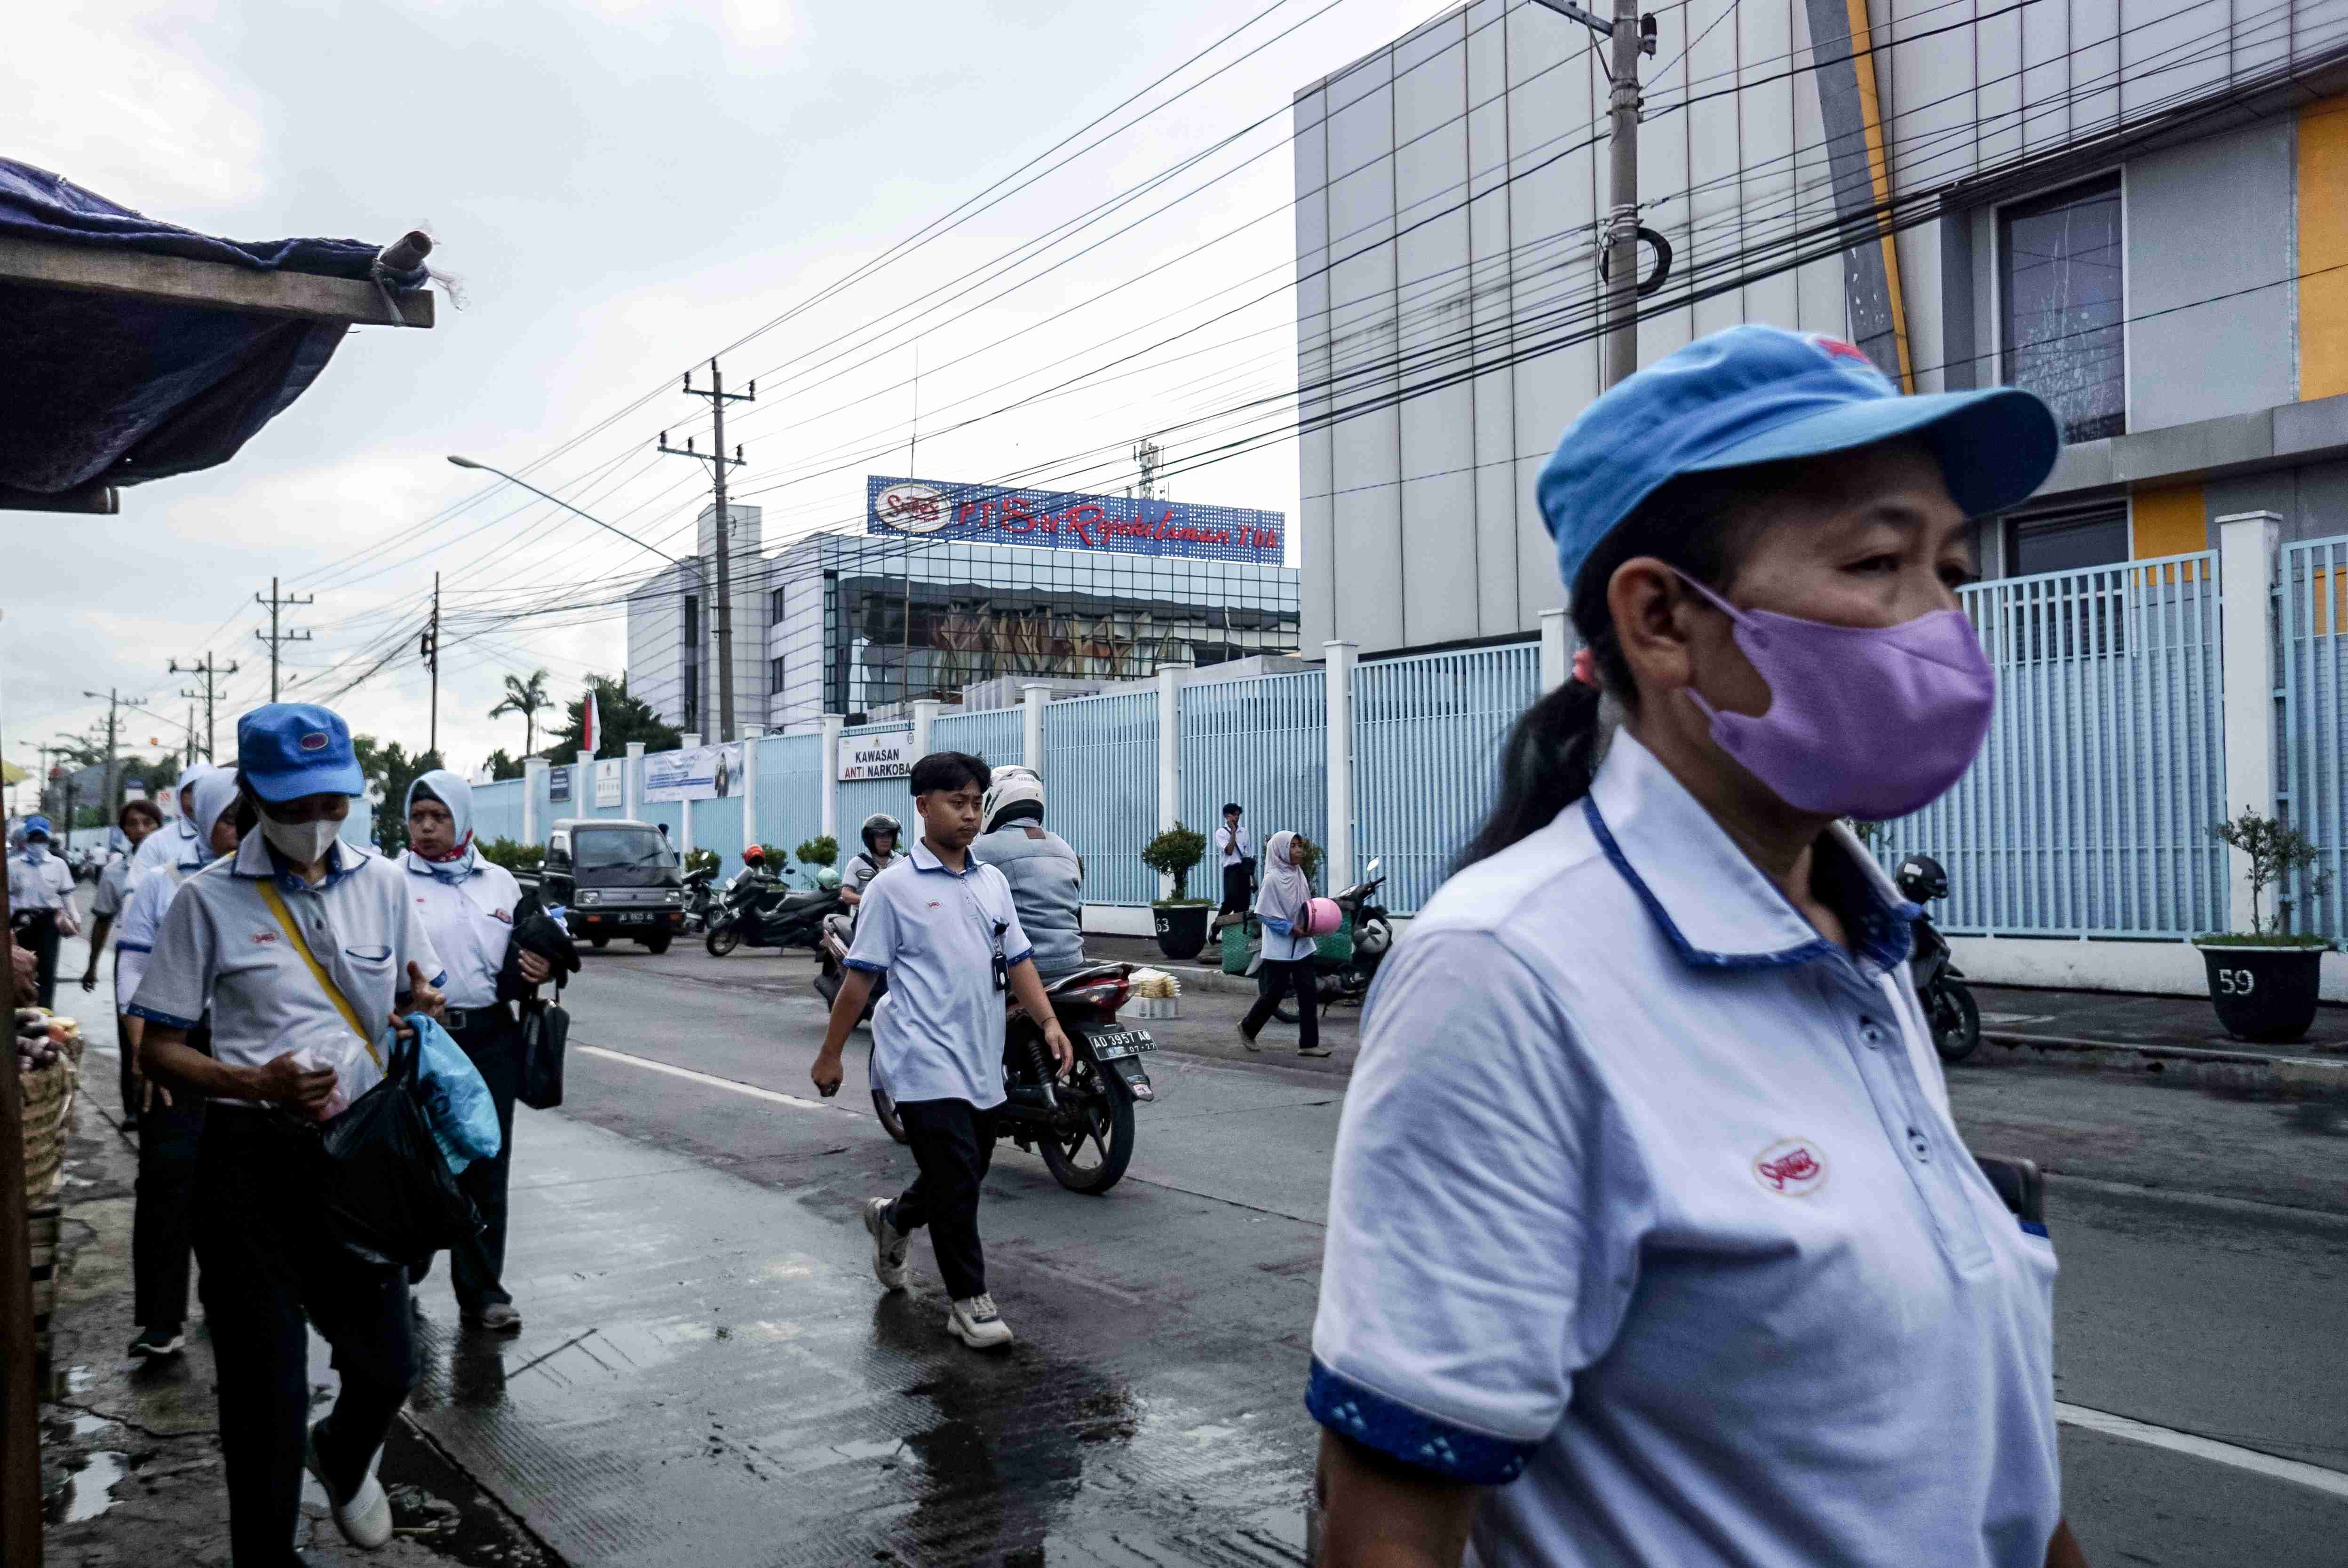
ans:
(1046, 874)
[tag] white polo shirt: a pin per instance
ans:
(113, 888)
(1647, 1202)
(1242, 849)
(469, 921)
(938, 1034)
(45, 887)
(222, 950)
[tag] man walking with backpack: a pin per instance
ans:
(944, 929)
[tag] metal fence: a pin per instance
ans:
(497, 811)
(1100, 769)
(2312, 645)
(790, 789)
(859, 800)
(998, 735)
(1263, 743)
(2089, 812)
(1427, 733)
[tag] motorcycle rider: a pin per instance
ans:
(880, 834)
(1046, 874)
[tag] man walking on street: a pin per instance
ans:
(1236, 853)
(944, 929)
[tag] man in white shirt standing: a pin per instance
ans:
(1235, 852)
(942, 927)
(40, 904)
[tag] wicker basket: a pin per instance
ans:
(47, 1095)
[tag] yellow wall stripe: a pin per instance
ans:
(2172, 522)
(2323, 249)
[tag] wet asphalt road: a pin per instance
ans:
(710, 1375)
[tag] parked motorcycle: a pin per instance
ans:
(831, 954)
(700, 899)
(1344, 980)
(1082, 1125)
(762, 911)
(1949, 1007)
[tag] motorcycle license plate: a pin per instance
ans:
(1123, 1042)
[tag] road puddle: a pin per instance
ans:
(89, 1489)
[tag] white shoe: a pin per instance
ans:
(974, 1322)
(890, 1244)
(364, 1518)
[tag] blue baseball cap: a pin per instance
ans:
(37, 825)
(1763, 395)
(289, 749)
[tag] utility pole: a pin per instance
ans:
(1632, 35)
(275, 638)
(212, 670)
(719, 463)
(431, 647)
(115, 703)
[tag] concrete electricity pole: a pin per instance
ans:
(212, 670)
(431, 647)
(115, 703)
(1632, 35)
(275, 638)
(719, 463)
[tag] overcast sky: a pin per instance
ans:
(621, 189)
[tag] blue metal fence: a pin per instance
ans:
(859, 800)
(1263, 743)
(1100, 769)
(1427, 732)
(997, 735)
(2088, 811)
(497, 811)
(790, 789)
(2312, 644)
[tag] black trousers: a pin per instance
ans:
(40, 933)
(1275, 980)
(270, 1272)
(954, 1143)
(494, 1044)
(1239, 888)
(124, 1052)
(163, 1210)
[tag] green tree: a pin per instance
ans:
(392, 768)
(528, 698)
(625, 719)
(503, 766)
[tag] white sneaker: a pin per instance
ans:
(364, 1518)
(890, 1244)
(974, 1322)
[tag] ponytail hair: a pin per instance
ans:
(1699, 524)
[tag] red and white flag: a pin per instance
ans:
(590, 729)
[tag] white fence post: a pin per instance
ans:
(830, 783)
(1557, 650)
(750, 734)
(1169, 755)
(631, 780)
(582, 786)
(1337, 859)
(2247, 541)
(1032, 698)
(926, 720)
(533, 770)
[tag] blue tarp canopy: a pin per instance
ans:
(132, 349)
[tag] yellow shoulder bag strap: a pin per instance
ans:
(276, 902)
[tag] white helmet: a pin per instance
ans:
(1013, 786)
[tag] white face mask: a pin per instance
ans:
(304, 844)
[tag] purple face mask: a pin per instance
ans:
(1870, 722)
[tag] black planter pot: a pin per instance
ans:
(1181, 929)
(2265, 994)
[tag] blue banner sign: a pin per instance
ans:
(990, 514)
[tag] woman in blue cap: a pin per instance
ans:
(300, 947)
(1656, 1245)
(40, 904)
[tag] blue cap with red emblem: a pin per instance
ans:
(1763, 395)
(289, 749)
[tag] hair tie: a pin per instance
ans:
(1585, 668)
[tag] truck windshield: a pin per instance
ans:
(602, 848)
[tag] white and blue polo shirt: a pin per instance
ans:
(1648, 1211)
(938, 1034)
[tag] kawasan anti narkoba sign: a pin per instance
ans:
(1131, 525)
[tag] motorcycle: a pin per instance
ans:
(762, 911)
(1082, 1125)
(831, 954)
(1345, 980)
(1949, 1009)
(700, 899)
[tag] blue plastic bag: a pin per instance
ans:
(456, 1102)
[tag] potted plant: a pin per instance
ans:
(1181, 919)
(819, 851)
(2264, 983)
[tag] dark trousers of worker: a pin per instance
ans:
(272, 1270)
(494, 1044)
(163, 1212)
(954, 1143)
(1276, 980)
(39, 932)
(125, 1053)
(1239, 888)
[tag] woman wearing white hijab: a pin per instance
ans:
(468, 905)
(1287, 951)
(181, 841)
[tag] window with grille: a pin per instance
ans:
(2064, 334)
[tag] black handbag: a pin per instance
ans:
(388, 1194)
(545, 1027)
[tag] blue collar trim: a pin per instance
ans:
(925, 858)
(341, 861)
(1808, 952)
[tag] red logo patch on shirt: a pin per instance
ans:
(263, 938)
(1792, 1166)
(934, 903)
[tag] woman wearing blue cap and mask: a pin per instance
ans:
(302, 948)
(468, 906)
(1656, 1245)
(40, 904)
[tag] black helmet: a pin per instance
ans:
(1921, 879)
(881, 822)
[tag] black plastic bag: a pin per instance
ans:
(545, 1028)
(388, 1193)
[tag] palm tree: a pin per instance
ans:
(525, 697)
